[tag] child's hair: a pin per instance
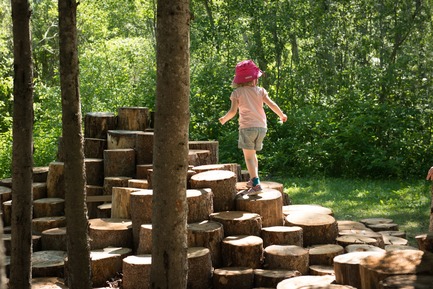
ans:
(249, 83)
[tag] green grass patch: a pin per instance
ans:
(407, 203)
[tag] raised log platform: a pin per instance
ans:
(271, 278)
(282, 235)
(141, 212)
(233, 277)
(242, 251)
(120, 202)
(119, 163)
(48, 283)
(54, 239)
(48, 207)
(310, 282)
(318, 209)
(238, 222)
(110, 232)
(144, 245)
(324, 254)
(133, 118)
(136, 272)
(286, 257)
(199, 268)
(96, 124)
(200, 204)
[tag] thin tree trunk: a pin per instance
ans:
(22, 156)
(77, 238)
(169, 213)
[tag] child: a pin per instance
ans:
(249, 99)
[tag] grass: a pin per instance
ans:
(407, 203)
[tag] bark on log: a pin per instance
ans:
(48, 263)
(133, 118)
(94, 171)
(139, 184)
(136, 272)
(317, 228)
(271, 278)
(145, 239)
(48, 283)
(407, 282)
(200, 205)
(144, 148)
(242, 251)
(238, 222)
(287, 257)
(425, 242)
(40, 174)
(96, 124)
(39, 190)
(282, 235)
(223, 186)
(94, 148)
(121, 139)
(92, 207)
(267, 204)
(203, 157)
(111, 182)
(110, 232)
(211, 146)
(54, 239)
(208, 234)
(119, 163)
(324, 254)
(199, 268)
(48, 207)
(56, 180)
(318, 209)
(233, 277)
(309, 282)
(141, 211)
(120, 202)
(142, 171)
(41, 224)
(321, 270)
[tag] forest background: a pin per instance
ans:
(354, 78)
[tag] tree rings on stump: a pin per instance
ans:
(238, 222)
(324, 254)
(110, 232)
(282, 235)
(287, 257)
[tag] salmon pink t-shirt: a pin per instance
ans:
(250, 104)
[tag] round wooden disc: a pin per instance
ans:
(318, 209)
(375, 221)
(349, 225)
(213, 175)
(362, 248)
(304, 281)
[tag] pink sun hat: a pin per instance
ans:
(246, 71)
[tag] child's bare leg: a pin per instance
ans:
(251, 162)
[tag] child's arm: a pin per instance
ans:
(275, 108)
(231, 113)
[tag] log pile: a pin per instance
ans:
(235, 240)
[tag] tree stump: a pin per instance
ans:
(350, 225)
(362, 248)
(389, 248)
(94, 148)
(111, 182)
(223, 186)
(5, 194)
(242, 186)
(56, 180)
(400, 234)
(200, 205)
(132, 118)
(321, 270)
(121, 139)
(238, 222)
(324, 254)
(233, 277)
(94, 171)
(318, 209)
(7, 182)
(310, 282)
(242, 251)
(375, 221)
(144, 147)
(235, 168)
(110, 232)
(96, 124)
(271, 278)
(136, 272)
(207, 234)
(282, 235)
(48, 263)
(425, 242)
(41, 224)
(106, 263)
(202, 157)
(39, 190)
(142, 171)
(407, 282)
(365, 233)
(211, 146)
(121, 202)
(287, 257)
(384, 227)
(267, 204)
(210, 167)
(48, 207)
(392, 240)
(7, 242)
(141, 211)
(356, 239)
(199, 268)
(139, 184)
(40, 174)
(48, 283)
(92, 207)
(144, 245)
(7, 213)
(317, 228)
(119, 163)
(104, 211)
(376, 268)
(54, 239)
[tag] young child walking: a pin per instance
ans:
(248, 98)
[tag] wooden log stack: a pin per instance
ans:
(234, 240)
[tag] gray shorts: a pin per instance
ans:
(251, 138)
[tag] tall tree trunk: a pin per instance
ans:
(76, 226)
(169, 252)
(22, 156)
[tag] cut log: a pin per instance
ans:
(5, 194)
(133, 118)
(145, 240)
(400, 234)
(41, 224)
(211, 146)
(136, 272)
(374, 269)
(94, 171)
(142, 171)
(48, 263)
(223, 186)
(242, 251)
(96, 124)
(139, 184)
(324, 254)
(207, 234)
(110, 232)
(199, 268)
(54, 239)
(356, 239)
(407, 282)
(286, 257)
(92, 206)
(200, 205)
(39, 190)
(242, 186)
(48, 207)
(141, 211)
(383, 227)
(121, 139)
(350, 225)
(48, 283)
(425, 242)
(56, 180)
(392, 240)
(211, 167)
(7, 242)
(365, 233)
(120, 202)
(104, 211)
(233, 277)
(7, 182)
(119, 163)
(321, 270)
(317, 228)
(94, 148)
(271, 278)
(235, 168)
(106, 263)
(202, 157)
(144, 147)
(282, 235)
(7, 213)
(290, 209)
(267, 204)
(40, 174)
(238, 222)
(375, 221)
(362, 248)
(399, 247)
(110, 182)
(308, 281)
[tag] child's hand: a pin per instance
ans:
(221, 120)
(283, 118)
